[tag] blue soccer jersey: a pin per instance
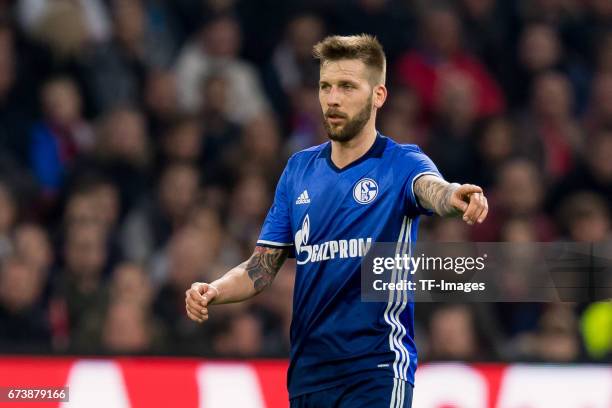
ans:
(330, 217)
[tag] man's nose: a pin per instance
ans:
(333, 99)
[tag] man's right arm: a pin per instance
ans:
(238, 284)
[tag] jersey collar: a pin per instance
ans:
(376, 151)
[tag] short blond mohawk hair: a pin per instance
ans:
(363, 47)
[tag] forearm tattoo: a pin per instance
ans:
(435, 194)
(263, 266)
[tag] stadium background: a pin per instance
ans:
(141, 140)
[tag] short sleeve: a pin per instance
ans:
(276, 230)
(419, 164)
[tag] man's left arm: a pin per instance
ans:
(451, 199)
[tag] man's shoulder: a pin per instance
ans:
(312, 149)
(408, 159)
(308, 153)
(402, 149)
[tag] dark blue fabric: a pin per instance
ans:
(376, 392)
(45, 159)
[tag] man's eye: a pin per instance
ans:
(347, 86)
(324, 86)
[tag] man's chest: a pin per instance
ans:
(344, 205)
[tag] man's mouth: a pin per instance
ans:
(335, 117)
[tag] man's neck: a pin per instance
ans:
(344, 153)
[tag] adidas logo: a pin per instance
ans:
(303, 198)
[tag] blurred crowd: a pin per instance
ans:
(141, 141)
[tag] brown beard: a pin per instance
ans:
(352, 127)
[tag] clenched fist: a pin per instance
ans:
(197, 299)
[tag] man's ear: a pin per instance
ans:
(380, 96)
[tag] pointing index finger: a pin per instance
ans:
(470, 189)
